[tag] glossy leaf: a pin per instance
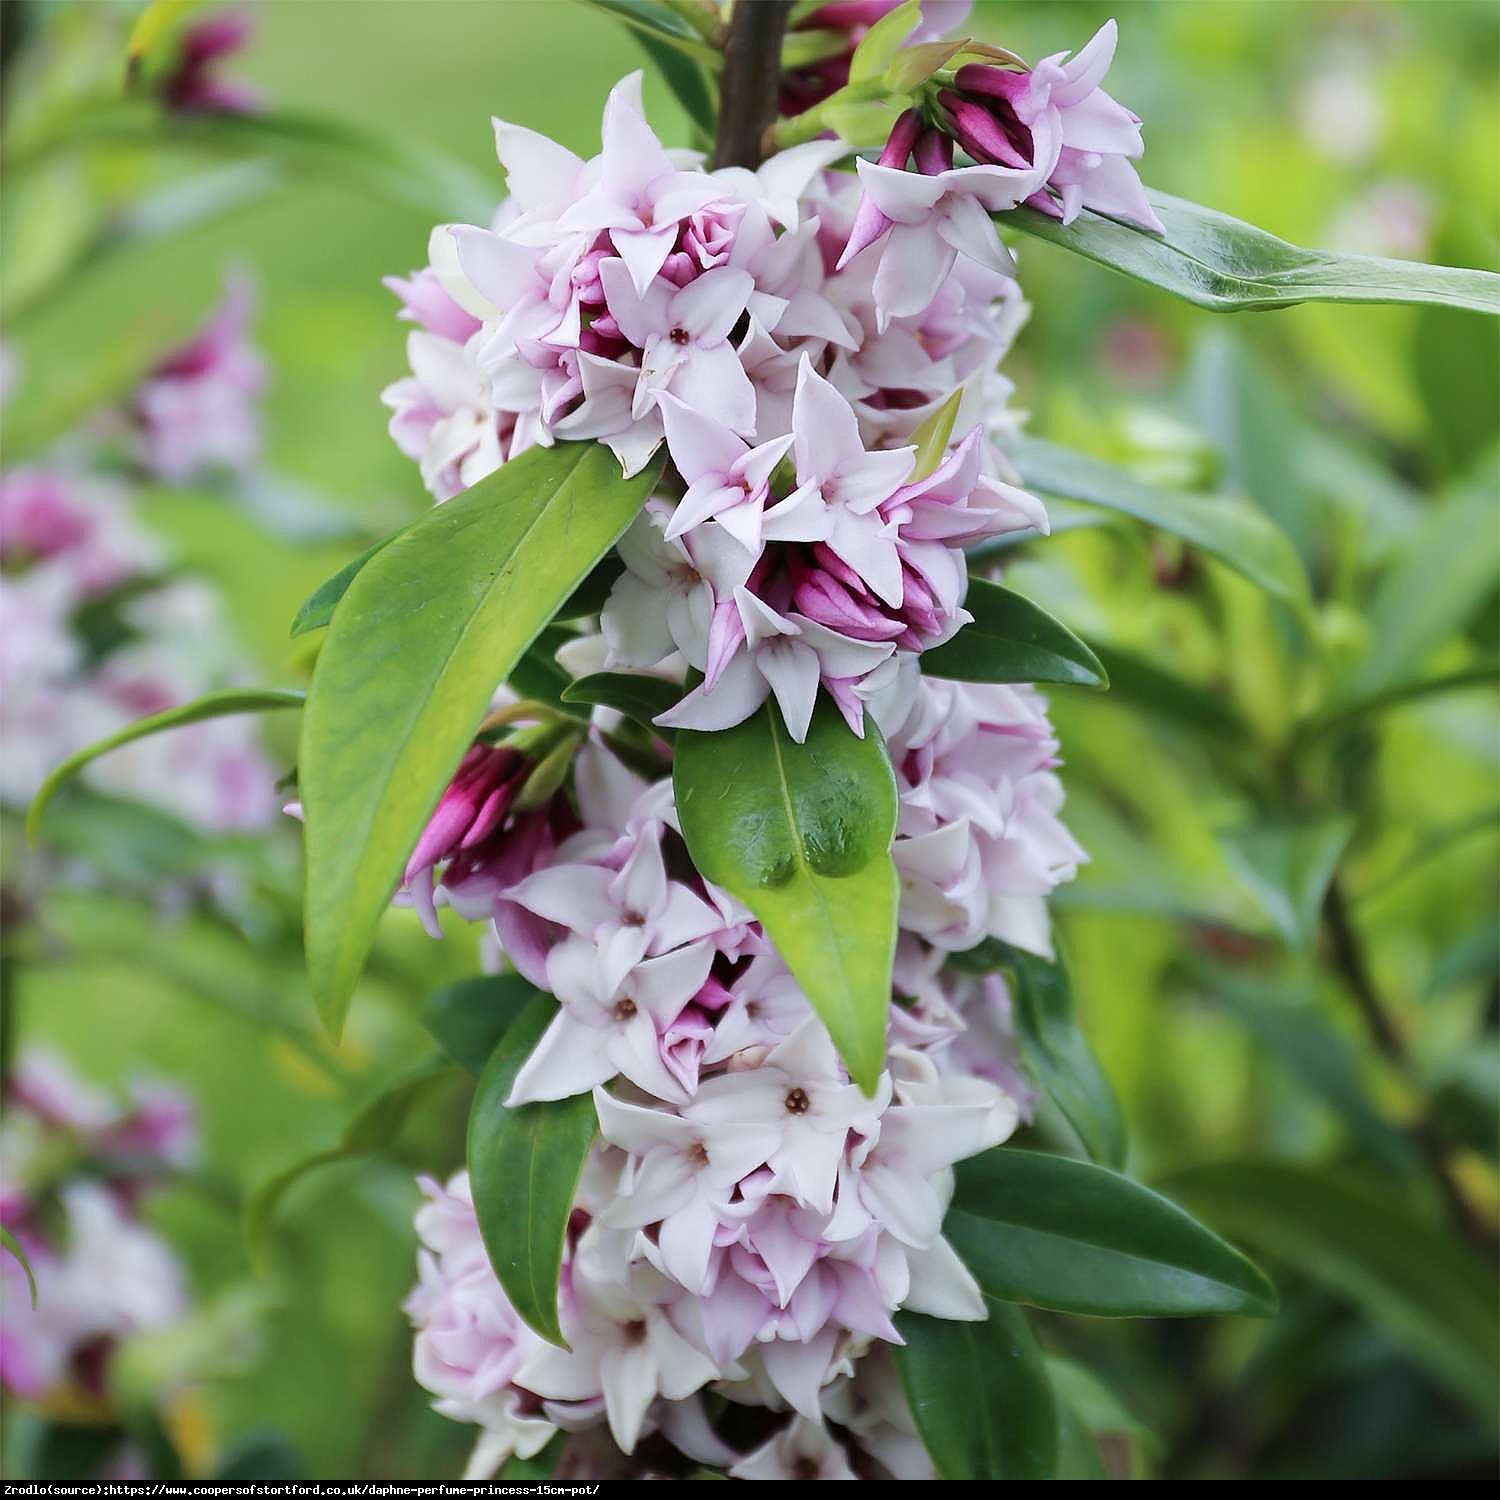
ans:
(1010, 639)
(1226, 265)
(1228, 529)
(467, 1019)
(802, 835)
(428, 629)
(373, 1129)
(1074, 1237)
(633, 694)
(217, 705)
(979, 1394)
(1364, 1241)
(524, 1166)
(1287, 867)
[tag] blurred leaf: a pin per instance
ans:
(261, 1458)
(1228, 529)
(1257, 430)
(1010, 639)
(1465, 1101)
(678, 52)
(878, 47)
(1287, 867)
(1292, 1030)
(16, 1250)
(1078, 1455)
(539, 1466)
(1056, 1051)
(1141, 683)
(1430, 592)
(467, 1019)
(802, 835)
(1097, 1406)
(1426, 1290)
(428, 629)
(1226, 265)
(217, 705)
(155, 24)
(524, 1166)
(1074, 1237)
(1472, 957)
(633, 694)
(374, 1128)
(979, 1394)
(1487, 674)
(71, 1453)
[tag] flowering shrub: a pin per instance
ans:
(697, 693)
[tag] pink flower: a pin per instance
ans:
(194, 85)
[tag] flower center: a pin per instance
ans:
(697, 1154)
(797, 1102)
(624, 1009)
(680, 336)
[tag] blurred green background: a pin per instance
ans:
(1367, 433)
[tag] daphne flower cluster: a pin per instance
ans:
(74, 1163)
(95, 633)
(749, 1221)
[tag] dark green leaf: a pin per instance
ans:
(802, 835)
(592, 594)
(1287, 867)
(1010, 639)
(539, 676)
(210, 706)
(1074, 1237)
(428, 629)
(468, 1019)
(1078, 1455)
(373, 1129)
(261, 1458)
(979, 1394)
(1365, 1242)
(1094, 1403)
(677, 50)
(1228, 529)
(524, 1165)
(1142, 683)
(317, 610)
(1059, 1054)
(634, 694)
(1226, 265)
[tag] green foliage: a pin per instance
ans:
(1010, 639)
(633, 694)
(802, 835)
(524, 1165)
(980, 1395)
(429, 627)
(1221, 263)
(467, 1019)
(1074, 1237)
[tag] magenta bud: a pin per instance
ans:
(934, 153)
(990, 83)
(904, 135)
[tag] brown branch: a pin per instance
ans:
(750, 81)
(1348, 958)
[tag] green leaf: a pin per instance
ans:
(1231, 530)
(1487, 674)
(802, 835)
(1410, 614)
(1426, 1290)
(373, 1129)
(428, 629)
(1010, 639)
(1141, 683)
(1095, 1404)
(633, 694)
(467, 1019)
(13, 1246)
(979, 1394)
(1287, 867)
(1074, 1237)
(1226, 265)
(1060, 1056)
(317, 609)
(677, 50)
(593, 593)
(932, 437)
(153, 26)
(878, 48)
(1078, 1455)
(216, 705)
(524, 1165)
